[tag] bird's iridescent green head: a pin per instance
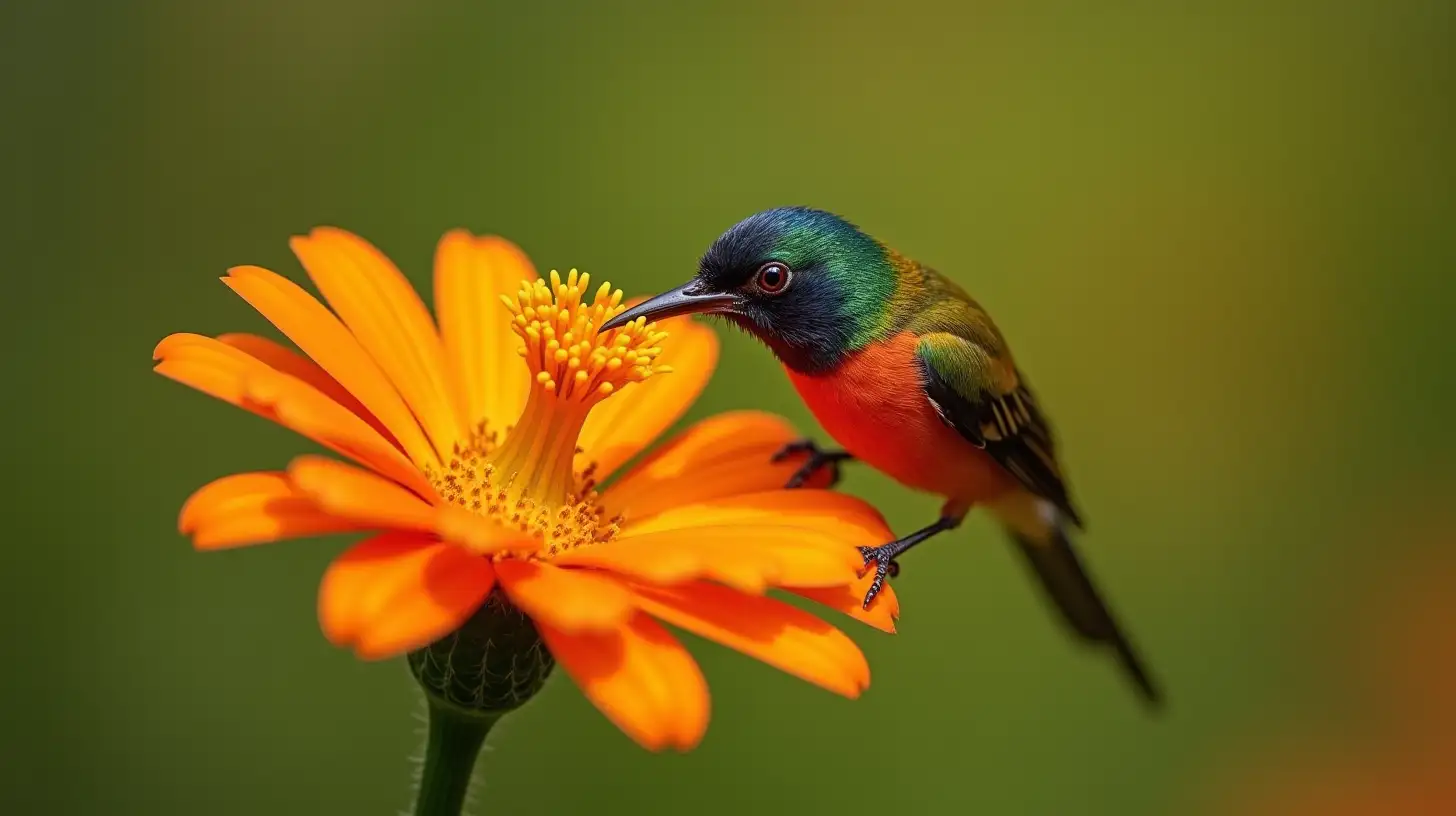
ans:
(806, 282)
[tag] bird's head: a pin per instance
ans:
(808, 283)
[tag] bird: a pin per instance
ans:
(910, 376)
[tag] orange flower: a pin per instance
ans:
(478, 476)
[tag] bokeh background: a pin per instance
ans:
(1220, 235)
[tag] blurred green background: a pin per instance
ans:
(1219, 234)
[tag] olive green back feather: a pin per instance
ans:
(986, 400)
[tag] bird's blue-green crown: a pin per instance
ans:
(843, 279)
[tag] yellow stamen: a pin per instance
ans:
(527, 480)
(563, 350)
(472, 480)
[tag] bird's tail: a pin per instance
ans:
(1041, 535)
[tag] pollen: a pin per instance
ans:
(471, 480)
(527, 477)
(566, 354)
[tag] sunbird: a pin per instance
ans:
(909, 374)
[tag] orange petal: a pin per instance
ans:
(359, 495)
(354, 586)
(384, 312)
(321, 336)
(274, 521)
(724, 455)
(253, 508)
(452, 586)
(621, 427)
(471, 274)
(297, 406)
(852, 520)
(749, 556)
(375, 502)
(283, 359)
(400, 591)
(233, 376)
(570, 600)
(780, 635)
(217, 495)
(481, 535)
(640, 677)
(884, 609)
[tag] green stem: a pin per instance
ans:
(454, 741)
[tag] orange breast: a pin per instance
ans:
(874, 406)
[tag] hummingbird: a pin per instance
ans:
(909, 374)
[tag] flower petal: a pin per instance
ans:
(481, 535)
(321, 336)
(570, 600)
(725, 455)
(359, 495)
(849, 599)
(621, 427)
(253, 508)
(286, 360)
(770, 630)
(216, 496)
(375, 502)
(270, 522)
(357, 582)
(400, 591)
(471, 274)
(640, 677)
(386, 315)
(229, 374)
(750, 557)
(452, 586)
(824, 511)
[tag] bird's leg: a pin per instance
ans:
(818, 460)
(884, 555)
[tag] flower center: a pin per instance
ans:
(473, 480)
(527, 479)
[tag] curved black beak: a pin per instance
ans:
(672, 303)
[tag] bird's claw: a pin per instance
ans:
(818, 460)
(797, 446)
(885, 567)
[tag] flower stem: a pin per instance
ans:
(454, 741)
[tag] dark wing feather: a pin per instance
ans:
(988, 402)
(995, 410)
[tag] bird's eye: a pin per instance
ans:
(773, 278)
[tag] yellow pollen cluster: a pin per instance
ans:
(472, 481)
(566, 354)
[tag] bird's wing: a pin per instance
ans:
(984, 397)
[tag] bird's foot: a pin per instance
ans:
(817, 461)
(883, 557)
